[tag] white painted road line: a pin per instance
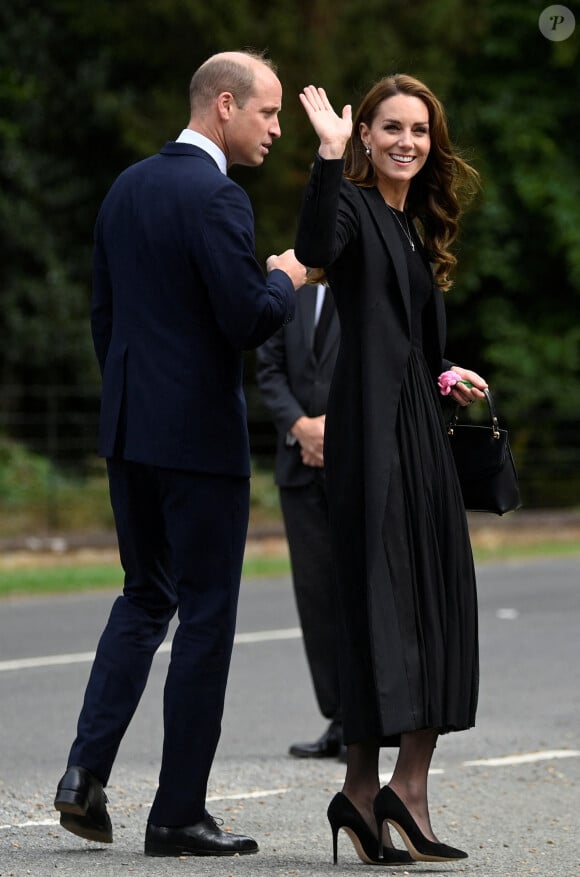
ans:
(524, 758)
(242, 796)
(237, 796)
(31, 824)
(384, 778)
(258, 636)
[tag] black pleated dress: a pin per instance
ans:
(419, 668)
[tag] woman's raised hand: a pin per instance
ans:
(333, 130)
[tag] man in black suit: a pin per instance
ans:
(294, 370)
(177, 296)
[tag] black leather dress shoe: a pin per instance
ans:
(205, 838)
(327, 746)
(82, 804)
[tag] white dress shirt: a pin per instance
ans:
(197, 139)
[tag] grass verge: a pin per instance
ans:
(544, 548)
(79, 577)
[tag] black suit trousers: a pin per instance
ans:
(181, 541)
(305, 514)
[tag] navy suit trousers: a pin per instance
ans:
(181, 541)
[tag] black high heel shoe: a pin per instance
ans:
(342, 814)
(388, 805)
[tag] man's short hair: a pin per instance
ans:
(225, 72)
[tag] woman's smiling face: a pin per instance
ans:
(399, 141)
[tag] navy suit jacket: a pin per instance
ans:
(177, 296)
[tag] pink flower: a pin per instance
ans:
(446, 381)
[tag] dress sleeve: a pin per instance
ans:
(327, 219)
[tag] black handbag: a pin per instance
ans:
(485, 465)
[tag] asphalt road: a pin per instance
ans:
(507, 791)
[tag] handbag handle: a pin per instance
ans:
(492, 416)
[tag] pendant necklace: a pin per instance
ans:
(406, 232)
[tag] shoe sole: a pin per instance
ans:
(151, 850)
(311, 755)
(418, 856)
(71, 823)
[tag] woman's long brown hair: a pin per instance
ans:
(442, 187)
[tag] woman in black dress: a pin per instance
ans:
(405, 578)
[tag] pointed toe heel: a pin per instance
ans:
(342, 814)
(388, 806)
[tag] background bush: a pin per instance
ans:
(88, 88)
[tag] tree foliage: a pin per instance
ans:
(88, 88)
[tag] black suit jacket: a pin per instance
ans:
(294, 383)
(177, 296)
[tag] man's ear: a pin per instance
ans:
(225, 104)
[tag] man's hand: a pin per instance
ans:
(288, 263)
(309, 432)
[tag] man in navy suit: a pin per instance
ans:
(177, 296)
(294, 371)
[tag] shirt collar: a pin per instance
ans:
(197, 139)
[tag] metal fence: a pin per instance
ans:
(61, 422)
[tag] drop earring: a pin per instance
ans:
(367, 150)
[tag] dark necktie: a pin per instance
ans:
(323, 323)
